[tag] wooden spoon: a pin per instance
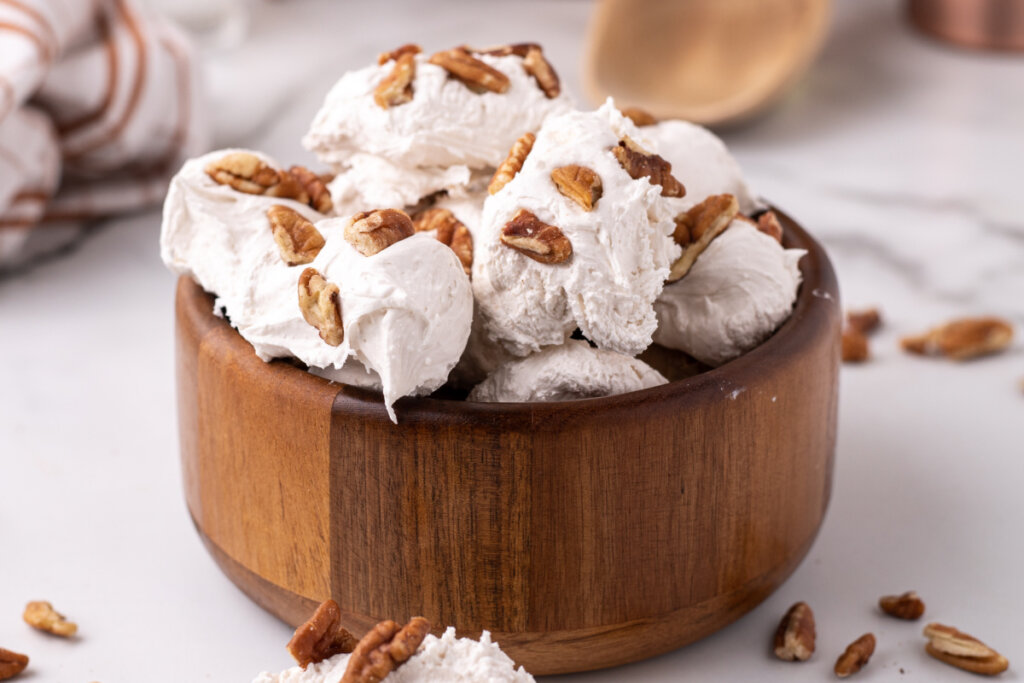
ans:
(707, 61)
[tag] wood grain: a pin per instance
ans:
(582, 534)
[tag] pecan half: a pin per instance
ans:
(698, 226)
(542, 71)
(450, 231)
(371, 232)
(478, 76)
(407, 49)
(297, 239)
(320, 303)
(769, 224)
(11, 664)
(315, 186)
(40, 615)
(513, 163)
(962, 339)
(579, 184)
(907, 606)
(639, 116)
(248, 173)
(396, 87)
(321, 637)
(958, 649)
(385, 648)
(794, 638)
(639, 163)
(856, 656)
(865, 321)
(542, 242)
(855, 346)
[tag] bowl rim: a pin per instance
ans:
(801, 331)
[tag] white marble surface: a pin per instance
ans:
(904, 157)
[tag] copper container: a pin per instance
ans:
(985, 24)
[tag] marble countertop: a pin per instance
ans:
(904, 157)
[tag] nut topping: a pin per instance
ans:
(321, 637)
(962, 339)
(542, 242)
(315, 186)
(383, 649)
(407, 49)
(513, 163)
(11, 664)
(450, 231)
(371, 232)
(297, 239)
(769, 224)
(40, 615)
(907, 606)
(856, 656)
(478, 76)
(698, 226)
(639, 116)
(542, 71)
(794, 638)
(639, 163)
(855, 346)
(320, 303)
(864, 321)
(248, 173)
(963, 651)
(579, 184)
(396, 87)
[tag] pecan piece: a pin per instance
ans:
(638, 116)
(865, 321)
(962, 339)
(513, 163)
(407, 49)
(478, 76)
(907, 606)
(320, 303)
(396, 87)
(958, 649)
(248, 173)
(639, 163)
(542, 71)
(40, 615)
(579, 184)
(855, 346)
(315, 186)
(385, 648)
(450, 231)
(297, 239)
(794, 638)
(11, 664)
(856, 656)
(542, 242)
(769, 224)
(321, 637)
(371, 232)
(698, 226)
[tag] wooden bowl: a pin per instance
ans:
(582, 534)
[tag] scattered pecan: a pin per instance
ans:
(855, 346)
(699, 225)
(865, 321)
(513, 163)
(856, 656)
(248, 173)
(478, 76)
(371, 232)
(385, 648)
(542, 71)
(11, 664)
(794, 638)
(769, 224)
(407, 49)
(315, 186)
(297, 239)
(517, 49)
(542, 242)
(320, 303)
(907, 606)
(396, 87)
(962, 339)
(321, 637)
(639, 116)
(579, 184)
(450, 231)
(40, 615)
(963, 651)
(639, 163)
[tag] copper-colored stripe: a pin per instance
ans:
(35, 195)
(107, 35)
(41, 20)
(44, 51)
